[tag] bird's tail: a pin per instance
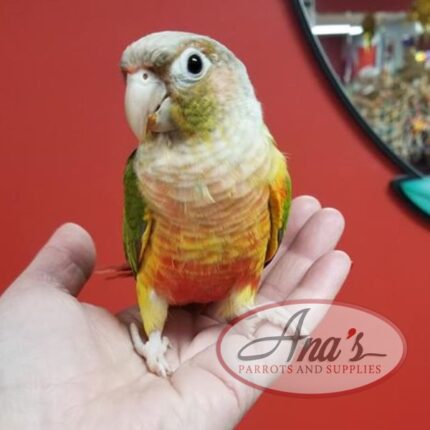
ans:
(114, 272)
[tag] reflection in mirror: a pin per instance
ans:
(380, 52)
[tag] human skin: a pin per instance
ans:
(71, 365)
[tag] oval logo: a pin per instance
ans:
(314, 347)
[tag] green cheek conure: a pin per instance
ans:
(207, 192)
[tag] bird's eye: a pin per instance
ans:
(191, 66)
(195, 64)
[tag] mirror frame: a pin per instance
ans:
(325, 65)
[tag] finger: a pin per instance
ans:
(325, 278)
(302, 208)
(65, 262)
(318, 236)
(322, 282)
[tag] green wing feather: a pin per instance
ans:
(285, 208)
(136, 219)
(279, 200)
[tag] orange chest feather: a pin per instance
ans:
(202, 263)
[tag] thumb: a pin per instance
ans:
(65, 262)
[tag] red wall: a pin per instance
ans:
(64, 141)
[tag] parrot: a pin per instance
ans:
(207, 192)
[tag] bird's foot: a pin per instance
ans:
(153, 350)
(283, 319)
(248, 326)
(277, 317)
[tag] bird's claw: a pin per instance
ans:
(153, 351)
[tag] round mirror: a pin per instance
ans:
(377, 55)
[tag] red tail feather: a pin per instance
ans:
(114, 272)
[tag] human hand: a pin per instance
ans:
(70, 365)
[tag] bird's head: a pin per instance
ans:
(183, 84)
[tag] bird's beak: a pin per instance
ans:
(147, 104)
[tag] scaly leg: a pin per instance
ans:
(240, 300)
(153, 310)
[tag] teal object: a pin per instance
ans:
(416, 190)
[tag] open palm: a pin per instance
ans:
(70, 365)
